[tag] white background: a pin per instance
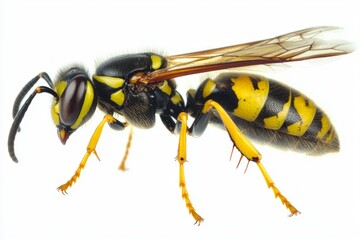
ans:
(145, 201)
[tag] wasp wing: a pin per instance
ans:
(295, 46)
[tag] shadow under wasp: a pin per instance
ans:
(139, 86)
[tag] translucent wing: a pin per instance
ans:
(295, 46)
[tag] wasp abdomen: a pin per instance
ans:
(271, 112)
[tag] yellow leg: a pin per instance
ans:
(248, 150)
(122, 166)
(181, 157)
(270, 183)
(90, 149)
(240, 141)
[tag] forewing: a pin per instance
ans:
(296, 46)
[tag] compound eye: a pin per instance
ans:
(72, 100)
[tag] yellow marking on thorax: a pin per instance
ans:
(208, 88)
(250, 100)
(306, 110)
(118, 97)
(156, 62)
(176, 99)
(114, 82)
(165, 88)
(275, 122)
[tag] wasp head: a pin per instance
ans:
(76, 102)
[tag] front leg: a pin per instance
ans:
(90, 149)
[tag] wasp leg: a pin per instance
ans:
(181, 157)
(20, 115)
(248, 150)
(90, 149)
(120, 126)
(122, 165)
(168, 122)
(270, 183)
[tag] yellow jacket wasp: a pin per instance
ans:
(139, 86)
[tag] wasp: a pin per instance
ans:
(248, 106)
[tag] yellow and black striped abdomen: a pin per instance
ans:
(271, 112)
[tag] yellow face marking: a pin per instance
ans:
(306, 109)
(251, 99)
(118, 97)
(275, 122)
(208, 88)
(176, 99)
(325, 127)
(88, 101)
(165, 88)
(60, 87)
(55, 113)
(156, 62)
(113, 82)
